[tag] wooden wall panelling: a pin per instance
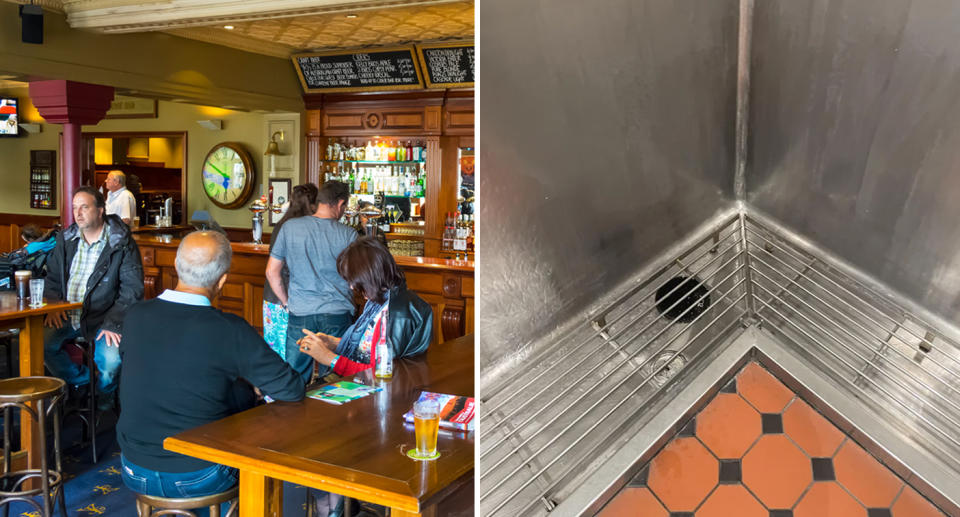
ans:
(11, 224)
(458, 117)
(313, 136)
(467, 290)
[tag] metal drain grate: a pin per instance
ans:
(553, 425)
(549, 429)
(872, 346)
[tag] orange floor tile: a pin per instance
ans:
(758, 450)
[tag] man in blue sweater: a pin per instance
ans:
(186, 364)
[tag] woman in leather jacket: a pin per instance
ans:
(391, 313)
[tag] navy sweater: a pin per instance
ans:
(182, 368)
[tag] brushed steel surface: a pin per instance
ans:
(854, 139)
(607, 132)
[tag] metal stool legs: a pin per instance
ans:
(90, 418)
(47, 392)
(183, 506)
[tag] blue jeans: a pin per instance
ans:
(208, 481)
(60, 365)
(333, 324)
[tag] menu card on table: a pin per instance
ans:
(456, 411)
(341, 392)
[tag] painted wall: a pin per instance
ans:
(249, 129)
(153, 62)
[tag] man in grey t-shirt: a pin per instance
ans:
(319, 299)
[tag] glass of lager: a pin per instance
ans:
(426, 425)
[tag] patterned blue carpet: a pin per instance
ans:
(93, 490)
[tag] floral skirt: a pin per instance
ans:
(275, 327)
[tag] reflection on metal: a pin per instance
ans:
(613, 134)
(564, 423)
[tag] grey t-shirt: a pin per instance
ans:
(309, 246)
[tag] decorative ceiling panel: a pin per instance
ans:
(370, 27)
(279, 27)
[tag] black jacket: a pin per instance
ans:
(115, 284)
(411, 323)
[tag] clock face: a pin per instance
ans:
(228, 175)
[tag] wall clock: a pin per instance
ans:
(228, 175)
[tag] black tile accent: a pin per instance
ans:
(640, 480)
(689, 429)
(731, 386)
(730, 471)
(681, 514)
(879, 512)
(772, 423)
(781, 513)
(823, 469)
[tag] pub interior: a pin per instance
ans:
(215, 113)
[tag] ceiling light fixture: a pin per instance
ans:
(228, 27)
(351, 15)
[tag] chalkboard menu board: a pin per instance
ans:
(358, 71)
(447, 65)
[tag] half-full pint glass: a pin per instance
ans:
(426, 425)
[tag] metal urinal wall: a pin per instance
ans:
(854, 139)
(608, 135)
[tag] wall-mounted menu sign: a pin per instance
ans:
(358, 71)
(447, 65)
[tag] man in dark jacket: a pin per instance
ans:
(95, 262)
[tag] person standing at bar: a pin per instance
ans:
(319, 299)
(120, 201)
(95, 262)
(303, 202)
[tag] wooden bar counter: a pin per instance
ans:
(447, 285)
(357, 449)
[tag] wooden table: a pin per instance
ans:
(18, 314)
(357, 449)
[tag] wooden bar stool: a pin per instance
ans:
(155, 506)
(46, 392)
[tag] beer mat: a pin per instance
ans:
(341, 392)
(42, 304)
(456, 411)
(412, 453)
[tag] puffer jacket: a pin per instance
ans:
(115, 284)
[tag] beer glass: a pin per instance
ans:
(23, 283)
(36, 292)
(426, 425)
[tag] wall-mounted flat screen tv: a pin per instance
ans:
(9, 118)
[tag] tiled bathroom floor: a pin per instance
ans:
(758, 450)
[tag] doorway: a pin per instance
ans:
(155, 164)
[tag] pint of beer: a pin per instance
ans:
(426, 425)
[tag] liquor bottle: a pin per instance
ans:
(408, 152)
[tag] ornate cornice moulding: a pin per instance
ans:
(116, 16)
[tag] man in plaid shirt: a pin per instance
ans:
(95, 262)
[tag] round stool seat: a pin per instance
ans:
(188, 503)
(26, 389)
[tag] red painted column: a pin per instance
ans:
(70, 171)
(72, 104)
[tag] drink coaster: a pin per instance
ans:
(32, 306)
(412, 453)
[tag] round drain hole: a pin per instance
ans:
(688, 294)
(672, 368)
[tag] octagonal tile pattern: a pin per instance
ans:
(758, 450)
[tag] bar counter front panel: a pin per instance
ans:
(447, 285)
